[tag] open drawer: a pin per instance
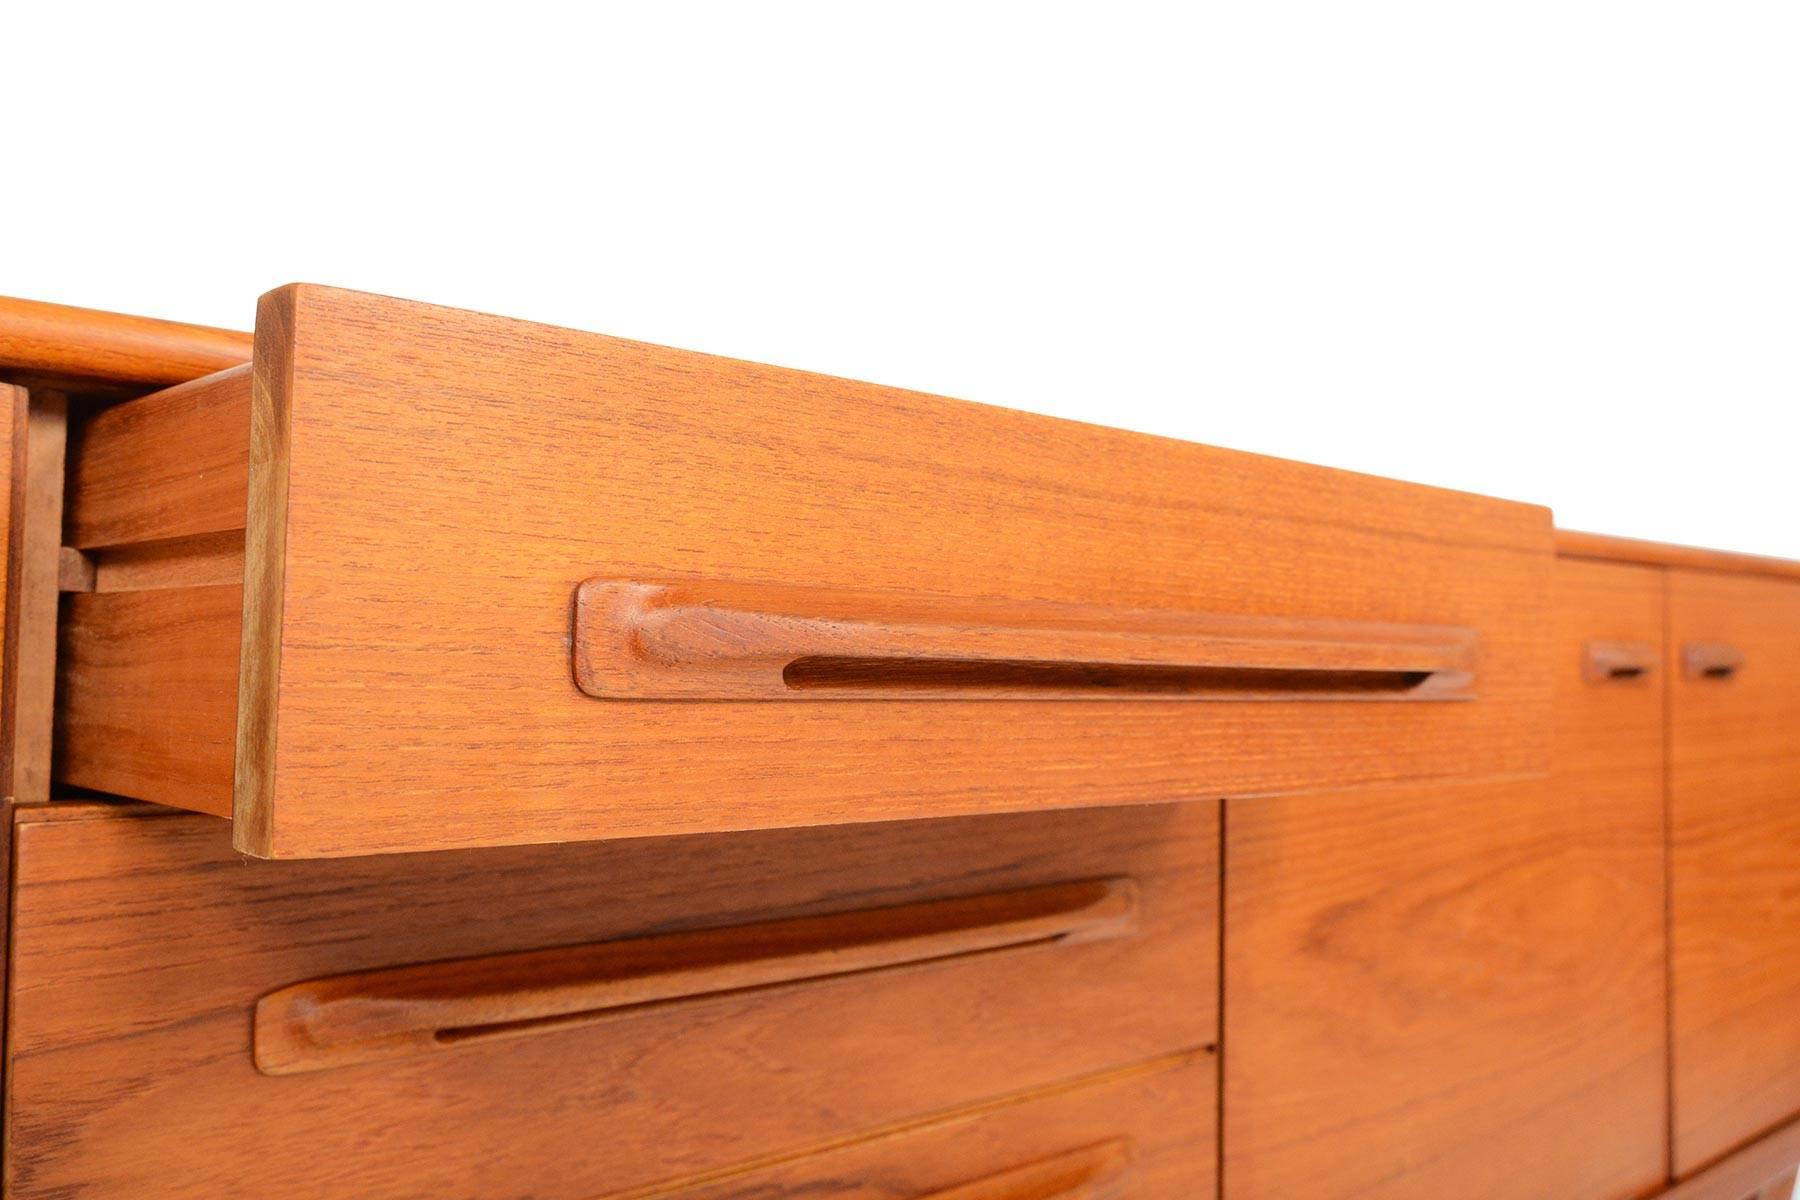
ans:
(421, 578)
(579, 1021)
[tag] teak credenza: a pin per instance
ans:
(447, 756)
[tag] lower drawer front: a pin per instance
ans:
(184, 1021)
(1143, 1134)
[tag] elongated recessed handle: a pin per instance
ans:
(1091, 1173)
(709, 641)
(1711, 660)
(1618, 662)
(399, 1011)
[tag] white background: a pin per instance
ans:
(1544, 251)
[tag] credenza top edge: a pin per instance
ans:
(1607, 548)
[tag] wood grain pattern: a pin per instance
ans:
(1744, 1171)
(1159, 1118)
(636, 640)
(1735, 855)
(1605, 548)
(265, 571)
(142, 944)
(1093, 1173)
(13, 439)
(1459, 990)
(174, 464)
(57, 342)
(1781, 1187)
(208, 560)
(450, 478)
(40, 550)
(13, 435)
(146, 694)
(436, 1007)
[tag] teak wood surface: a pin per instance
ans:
(1143, 1133)
(62, 346)
(146, 694)
(34, 617)
(1458, 990)
(13, 438)
(639, 640)
(1605, 548)
(427, 1008)
(1734, 776)
(429, 487)
(143, 945)
(175, 464)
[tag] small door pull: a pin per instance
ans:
(1618, 662)
(1711, 660)
(1094, 1173)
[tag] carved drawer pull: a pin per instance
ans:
(714, 641)
(1095, 1173)
(426, 1007)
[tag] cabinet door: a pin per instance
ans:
(1436, 991)
(1734, 750)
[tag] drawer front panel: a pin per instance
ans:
(1145, 1134)
(431, 491)
(1460, 990)
(184, 1020)
(1735, 857)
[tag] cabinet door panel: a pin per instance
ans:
(1734, 744)
(1438, 991)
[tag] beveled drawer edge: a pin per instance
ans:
(265, 553)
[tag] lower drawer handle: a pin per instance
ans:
(1094, 1173)
(636, 640)
(1711, 660)
(398, 1011)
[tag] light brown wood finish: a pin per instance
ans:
(1780, 1188)
(449, 479)
(146, 694)
(1735, 804)
(426, 1008)
(148, 662)
(1146, 1133)
(40, 550)
(1458, 990)
(208, 560)
(41, 341)
(143, 944)
(175, 464)
(1087, 1174)
(713, 641)
(1745, 1171)
(1605, 548)
(13, 471)
(13, 437)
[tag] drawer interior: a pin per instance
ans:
(152, 611)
